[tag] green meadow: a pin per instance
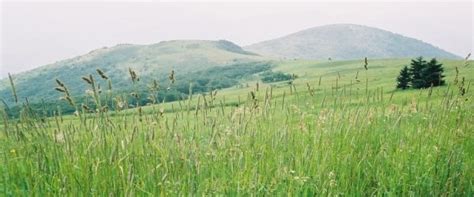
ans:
(337, 129)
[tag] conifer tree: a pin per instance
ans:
(404, 78)
(416, 71)
(433, 73)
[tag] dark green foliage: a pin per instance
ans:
(404, 78)
(218, 77)
(416, 72)
(270, 76)
(202, 81)
(421, 74)
(433, 73)
(44, 109)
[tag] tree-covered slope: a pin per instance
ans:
(150, 62)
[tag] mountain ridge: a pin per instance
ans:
(347, 41)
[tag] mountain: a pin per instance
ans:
(153, 61)
(346, 41)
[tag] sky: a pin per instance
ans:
(34, 34)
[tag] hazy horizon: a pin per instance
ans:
(36, 34)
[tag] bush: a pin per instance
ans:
(270, 76)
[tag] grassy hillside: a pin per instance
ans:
(326, 133)
(150, 61)
(347, 41)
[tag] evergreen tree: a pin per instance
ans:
(404, 78)
(416, 71)
(433, 73)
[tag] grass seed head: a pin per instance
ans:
(88, 80)
(366, 63)
(172, 77)
(466, 60)
(133, 75)
(13, 88)
(85, 107)
(69, 100)
(155, 85)
(61, 84)
(104, 109)
(102, 74)
(60, 89)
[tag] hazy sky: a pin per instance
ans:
(35, 34)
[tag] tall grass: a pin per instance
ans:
(362, 141)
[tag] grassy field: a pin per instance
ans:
(337, 130)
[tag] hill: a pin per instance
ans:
(347, 41)
(153, 61)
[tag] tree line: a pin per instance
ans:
(270, 76)
(203, 81)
